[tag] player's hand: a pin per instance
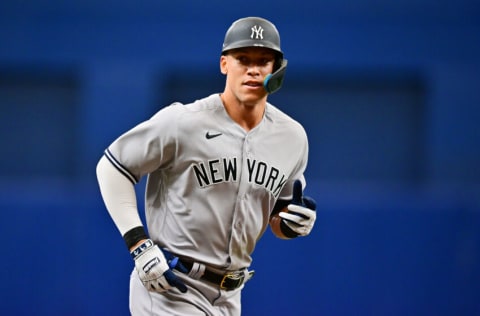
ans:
(154, 270)
(301, 214)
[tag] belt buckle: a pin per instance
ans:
(235, 277)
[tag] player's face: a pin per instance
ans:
(246, 68)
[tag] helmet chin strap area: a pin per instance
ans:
(273, 82)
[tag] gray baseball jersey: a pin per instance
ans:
(211, 185)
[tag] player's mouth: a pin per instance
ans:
(253, 84)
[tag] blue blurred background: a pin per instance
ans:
(388, 91)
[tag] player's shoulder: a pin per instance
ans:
(282, 119)
(169, 110)
(177, 109)
(211, 102)
(274, 112)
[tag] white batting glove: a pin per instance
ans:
(301, 214)
(153, 269)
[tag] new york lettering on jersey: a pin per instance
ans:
(226, 170)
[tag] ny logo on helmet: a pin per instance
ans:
(257, 32)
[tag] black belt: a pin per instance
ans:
(228, 281)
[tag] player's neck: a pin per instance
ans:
(248, 116)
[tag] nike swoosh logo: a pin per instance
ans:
(210, 136)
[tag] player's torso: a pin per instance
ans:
(218, 191)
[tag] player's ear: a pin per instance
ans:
(223, 64)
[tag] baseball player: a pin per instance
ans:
(220, 170)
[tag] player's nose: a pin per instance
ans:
(253, 69)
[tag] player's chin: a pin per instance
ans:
(253, 101)
(254, 95)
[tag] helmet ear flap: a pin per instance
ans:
(277, 63)
(273, 82)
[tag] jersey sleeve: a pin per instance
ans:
(148, 146)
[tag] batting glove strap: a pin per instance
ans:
(137, 252)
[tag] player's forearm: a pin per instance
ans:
(118, 194)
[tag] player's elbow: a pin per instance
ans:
(100, 168)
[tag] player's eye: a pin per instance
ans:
(243, 60)
(264, 61)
